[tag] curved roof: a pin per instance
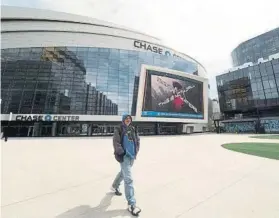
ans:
(11, 13)
(21, 13)
(257, 36)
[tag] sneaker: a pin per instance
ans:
(116, 191)
(134, 210)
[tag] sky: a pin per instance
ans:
(207, 30)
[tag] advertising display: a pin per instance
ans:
(172, 96)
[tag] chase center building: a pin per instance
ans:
(69, 75)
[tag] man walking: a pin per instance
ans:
(126, 145)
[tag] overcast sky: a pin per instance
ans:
(207, 30)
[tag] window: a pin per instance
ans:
(77, 76)
(112, 82)
(269, 70)
(266, 84)
(91, 79)
(272, 84)
(113, 64)
(124, 54)
(114, 54)
(268, 95)
(274, 94)
(276, 68)
(259, 86)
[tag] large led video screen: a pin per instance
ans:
(172, 96)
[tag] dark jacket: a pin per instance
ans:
(119, 151)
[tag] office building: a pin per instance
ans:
(249, 93)
(252, 50)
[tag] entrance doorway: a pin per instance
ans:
(46, 130)
(102, 130)
(29, 129)
(168, 130)
(70, 129)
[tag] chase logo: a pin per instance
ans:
(167, 53)
(48, 118)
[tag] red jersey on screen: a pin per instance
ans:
(178, 103)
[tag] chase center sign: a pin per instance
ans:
(152, 48)
(47, 118)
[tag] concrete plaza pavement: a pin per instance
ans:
(175, 176)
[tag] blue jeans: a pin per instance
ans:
(126, 175)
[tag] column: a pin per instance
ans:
(89, 131)
(53, 129)
(36, 129)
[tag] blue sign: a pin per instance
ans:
(171, 115)
(167, 53)
(48, 118)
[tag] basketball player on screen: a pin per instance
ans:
(178, 97)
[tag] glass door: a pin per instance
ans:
(146, 130)
(102, 130)
(46, 130)
(30, 131)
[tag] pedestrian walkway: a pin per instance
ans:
(184, 176)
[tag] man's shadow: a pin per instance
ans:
(85, 211)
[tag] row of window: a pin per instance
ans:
(71, 52)
(76, 80)
(260, 47)
(232, 94)
(255, 85)
(75, 96)
(245, 103)
(249, 74)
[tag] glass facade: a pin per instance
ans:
(249, 91)
(76, 80)
(261, 46)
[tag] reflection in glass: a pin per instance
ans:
(76, 80)
(260, 47)
(248, 91)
